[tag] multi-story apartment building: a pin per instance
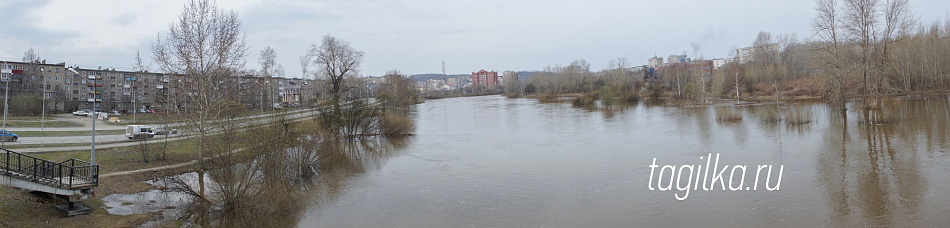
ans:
(485, 78)
(655, 62)
(747, 54)
(68, 88)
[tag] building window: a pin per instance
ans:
(57, 70)
(57, 78)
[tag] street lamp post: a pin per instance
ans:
(92, 151)
(43, 115)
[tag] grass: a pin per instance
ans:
(67, 133)
(797, 114)
(22, 209)
(48, 123)
(728, 114)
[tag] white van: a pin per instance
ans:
(139, 132)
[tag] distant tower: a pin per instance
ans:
(443, 70)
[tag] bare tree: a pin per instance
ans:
(201, 50)
(29, 81)
(268, 61)
(336, 61)
(826, 25)
(898, 19)
(860, 17)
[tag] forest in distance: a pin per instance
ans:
(860, 49)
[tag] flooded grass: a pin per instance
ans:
(767, 113)
(728, 114)
(548, 98)
(797, 114)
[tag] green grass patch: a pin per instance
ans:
(48, 123)
(67, 133)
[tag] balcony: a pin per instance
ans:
(94, 77)
(160, 87)
(126, 86)
(94, 84)
(91, 100)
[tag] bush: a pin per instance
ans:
(26, 105)
(632, 96)
(548, 98)
(584, 101)
(512, 95)
(393, 125)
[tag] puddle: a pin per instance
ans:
(169, 203)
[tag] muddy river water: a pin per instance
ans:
(495, 162)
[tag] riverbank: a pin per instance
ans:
(122, 170)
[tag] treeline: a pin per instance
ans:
(861, 49)
(576, 77)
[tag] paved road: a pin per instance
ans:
(102, 125)
(113, 140)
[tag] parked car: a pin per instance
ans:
(142, 111)
(115, 113)
(81, 113)
(139, 132)
(8, 136)
(164, 130)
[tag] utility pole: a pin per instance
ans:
(43, 115)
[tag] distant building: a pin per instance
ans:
(747, 54)
(718, 63)
(677, 59)
(435, 84)
(655, 62)
(485, 78)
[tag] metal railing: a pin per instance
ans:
(69, 174)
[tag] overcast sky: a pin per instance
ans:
(415, 36)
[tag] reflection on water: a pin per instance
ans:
(271, 190)
(877, 174)
(496, 162)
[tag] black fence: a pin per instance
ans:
(69, 174)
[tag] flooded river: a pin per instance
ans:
(496, 162)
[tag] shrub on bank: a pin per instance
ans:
(584, 101)
(548, 98)
(393, 125)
